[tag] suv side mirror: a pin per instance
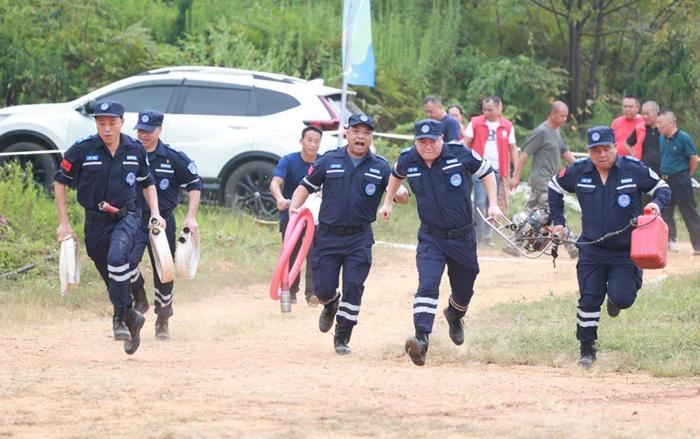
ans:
(87, 108)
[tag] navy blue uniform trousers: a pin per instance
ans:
(602, 272)
(109, 245)
(432, 254)
(353, 254)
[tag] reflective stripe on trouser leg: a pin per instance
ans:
(356, 267)
(430, 262)
(163, 299)
(593, 285)
(587, 324)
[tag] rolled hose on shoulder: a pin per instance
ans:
(187, 254)
(283, 276)
(162, 258)
(69, 265)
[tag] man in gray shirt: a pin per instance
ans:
(546, 146)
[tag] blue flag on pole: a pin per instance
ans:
(358, 56)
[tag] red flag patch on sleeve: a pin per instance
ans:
(65, 164)
(562, 172)
(311, 170)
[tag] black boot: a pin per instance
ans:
(121, 332)
(325, 320)
(162, 331)
(613, 310)
(134, 321)
(456, 325)
(588, 350)
(140, 299)
(417, 348)
(341, 340)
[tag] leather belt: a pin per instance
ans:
(344, 230)
(446, 233)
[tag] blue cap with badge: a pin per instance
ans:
(428, 129)
(149, 120)
(361, 119)
(108, 108)
(600, 136)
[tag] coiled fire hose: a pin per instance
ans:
(187, 254)
(69, 264)
(162, 258)
(283, 277)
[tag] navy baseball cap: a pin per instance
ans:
(149, 120)
(600, 136)
(428, 129)
(361, 119)
(109, 108)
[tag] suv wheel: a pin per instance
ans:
(248, 189)
(43, 165)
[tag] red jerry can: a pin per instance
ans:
(649, 241)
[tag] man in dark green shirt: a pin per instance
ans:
(678, 161)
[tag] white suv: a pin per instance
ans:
(235, 124)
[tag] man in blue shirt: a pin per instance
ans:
(172, 170)
(438, 175)
(285, 178)
(678, 162)
(105, 168)
(609, 189)
(353, 180)
(451, 129)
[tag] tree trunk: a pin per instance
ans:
(574, 65)
(595, 56)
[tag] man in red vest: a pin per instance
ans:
(493, 137)
(625, 125)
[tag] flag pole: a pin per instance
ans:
(348, 22)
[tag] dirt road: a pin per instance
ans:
(236, 367)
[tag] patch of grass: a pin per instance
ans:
(659, 335)
(28, 219)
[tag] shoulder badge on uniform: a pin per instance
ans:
(192, 168)
(84, 138)
(405, 150)
(581, 160)
(476, 155)
(653, 174)
(382, 158)
(66, 165)
(632, 159)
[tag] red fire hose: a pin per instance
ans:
(283, 277)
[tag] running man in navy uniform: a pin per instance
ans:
(172, 171)
(353, 180)
(609, 189)
(106, 169)
(438, 174)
